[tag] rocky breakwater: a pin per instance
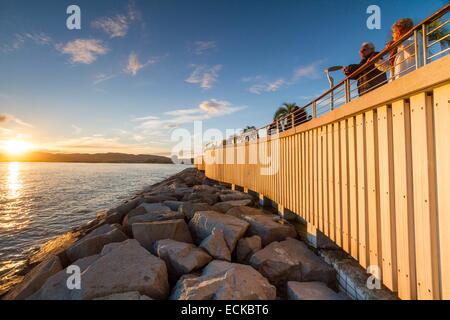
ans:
(184, 238)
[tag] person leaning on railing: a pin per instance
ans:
(371, 77)
(401, 60)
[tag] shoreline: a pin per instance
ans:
(172, 239)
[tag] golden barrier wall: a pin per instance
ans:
(373, 175)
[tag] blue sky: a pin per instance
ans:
(138, 69)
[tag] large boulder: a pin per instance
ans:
(159, 198)
(180, 257)
(173, 205)
(291, 260)
(189, 208)
(55, 288)
(235, 195)
(94, 242)
(270, 228)
(154, 208)
(246, 247)
(151, 217)
(128, 267)
(35, 279)
(203, 223)
(216, 245)
(312, 291)
(221, 280)
(202, 197)
(149, 232)
(227, 205)
(244, 211)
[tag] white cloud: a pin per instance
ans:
(99, 78)
(7, 118)
(84, 50)
(20, 39)
(267, 87)
(115, 27)
(134, 65)
(310, 71)
(202, 47)
(204, 75)
(208, 109)
(76, 129)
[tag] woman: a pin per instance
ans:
(402, 59)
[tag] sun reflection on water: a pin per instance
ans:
(13, 215)
(14, 182)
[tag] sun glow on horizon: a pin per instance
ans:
(17, 147)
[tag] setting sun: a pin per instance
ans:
(17, 147)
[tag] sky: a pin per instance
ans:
(137, 70)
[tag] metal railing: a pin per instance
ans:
(424, 43)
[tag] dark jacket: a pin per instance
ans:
(369, 79)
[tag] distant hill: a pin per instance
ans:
(85, 157)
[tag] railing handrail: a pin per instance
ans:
(438, 14)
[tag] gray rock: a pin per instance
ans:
(203, 197)
(128, 267)
(312, 291)
(227, 205)
(93, 244)
(173, 205)
(180, 257)
(291, 260)
(132, 295)
(216, 245)
(149, 232)
(127, 206)
(222, 280)
(159, 198)
(103, 229)
(246, 247)
(270, 228)
(35, 279)
(189, 208)
(55, 288)
(244, 211)
(205, 188)
(236, 195)
(151, 217)
(203, 223)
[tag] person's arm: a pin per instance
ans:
(352, 68)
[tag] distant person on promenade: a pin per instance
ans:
(401, 60)
(371, 77)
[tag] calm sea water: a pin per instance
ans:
(39, 201)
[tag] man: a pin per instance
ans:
(370, 78)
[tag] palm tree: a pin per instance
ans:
(282, 113)
(439, 34)
(249, 129)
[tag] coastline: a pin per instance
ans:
(172, 239)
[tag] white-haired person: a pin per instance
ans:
(402, 59)
(370, 78)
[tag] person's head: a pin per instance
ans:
(367, 48)
(401, 27)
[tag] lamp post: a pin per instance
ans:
(331, 81)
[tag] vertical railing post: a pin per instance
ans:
(314, 110)
(416, 48)
(424, 44)
(347, 91)
(292, 120)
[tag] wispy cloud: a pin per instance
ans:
(134, 65)
(84, 51)
(8, 118)
(260, 84)
(76, 129)
(204, 75)
(267, 87)
(101, 77)
(20, 39)
(115, 27)
(118, 25)
(202, 47)
(207, 109)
